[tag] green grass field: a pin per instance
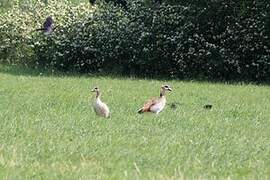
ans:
(48, 129)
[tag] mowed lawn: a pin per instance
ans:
(48, 129)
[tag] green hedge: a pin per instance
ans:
(18, 37)
(185, 39)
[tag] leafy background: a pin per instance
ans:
(224, 40)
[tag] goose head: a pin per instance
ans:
(97, 91)
(164, 88)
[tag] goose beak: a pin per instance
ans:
(169, 89)
(93, 90)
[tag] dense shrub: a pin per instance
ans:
(195, 39)
(18, 24)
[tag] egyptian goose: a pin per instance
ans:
(156, 105)
(100, 107)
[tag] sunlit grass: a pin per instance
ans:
(48, 129)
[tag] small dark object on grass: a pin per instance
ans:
(207, 106)
(174, 105)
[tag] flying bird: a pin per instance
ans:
(100, 108)
(48, 26)
(156, 105)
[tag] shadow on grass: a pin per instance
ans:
(26, 71)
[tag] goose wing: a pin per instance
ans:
(148, 104)
(104, 110)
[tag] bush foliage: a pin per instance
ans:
(18, 37)
(195, 39)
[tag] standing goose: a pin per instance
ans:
(100, 107)
(156, 105)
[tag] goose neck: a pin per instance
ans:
(162, 93)
(98, 95)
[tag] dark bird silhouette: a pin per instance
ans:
(48, 26)
(208, 106)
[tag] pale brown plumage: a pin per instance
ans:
(156, 105)
(100, 107)
(147, 105)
